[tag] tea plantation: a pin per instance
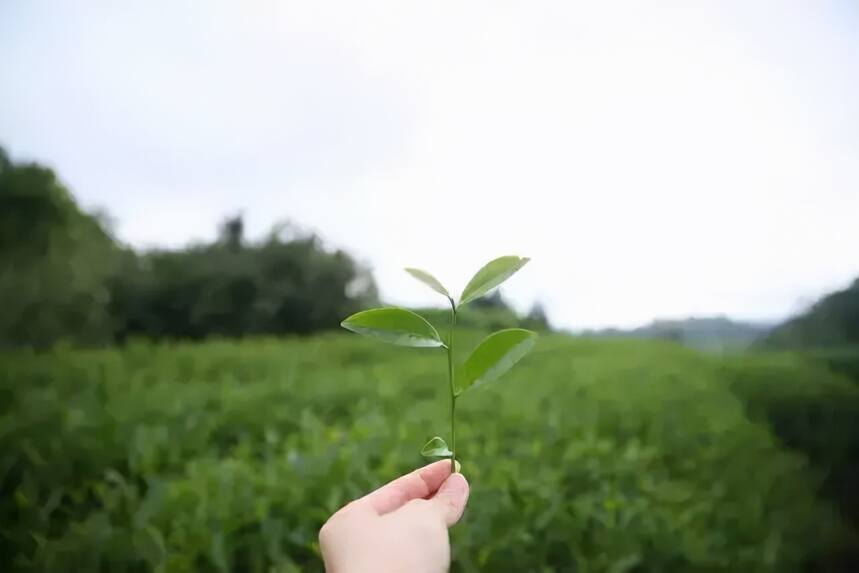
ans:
(590, 456)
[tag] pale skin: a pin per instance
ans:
(402, 526)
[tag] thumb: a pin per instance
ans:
(449, 501)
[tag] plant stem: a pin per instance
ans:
(453, 433)
(452, 387)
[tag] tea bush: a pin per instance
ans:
(227, 456)
(809, 410)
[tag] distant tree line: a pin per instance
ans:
(65, 279)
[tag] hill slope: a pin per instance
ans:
(831, 321)
(706, 333)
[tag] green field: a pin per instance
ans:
(589, 456)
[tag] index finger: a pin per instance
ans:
(421, 483)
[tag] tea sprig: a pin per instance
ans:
(491, 359)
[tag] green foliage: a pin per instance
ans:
(496, 355)
(536, 319)
(64, 279)
(55, 262)
(236, 288)
(436, 448)
(809, 409)
(490, 276)
(228, 456)
(841, 359)
(833, 321)
(429, 280)
(395, 326)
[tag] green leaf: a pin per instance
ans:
(490, 276)
(436, 448)
(429, 280)
(394, 325)
(493, 357)
(149, 544)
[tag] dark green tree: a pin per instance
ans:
(536, 319)
(55, 262)
(233, 287)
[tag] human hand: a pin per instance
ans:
(400, 527)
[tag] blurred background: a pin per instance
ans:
(194, 195)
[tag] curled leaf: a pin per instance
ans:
(436, 448)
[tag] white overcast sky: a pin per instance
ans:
(654, 159)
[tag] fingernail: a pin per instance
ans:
(457, 466)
